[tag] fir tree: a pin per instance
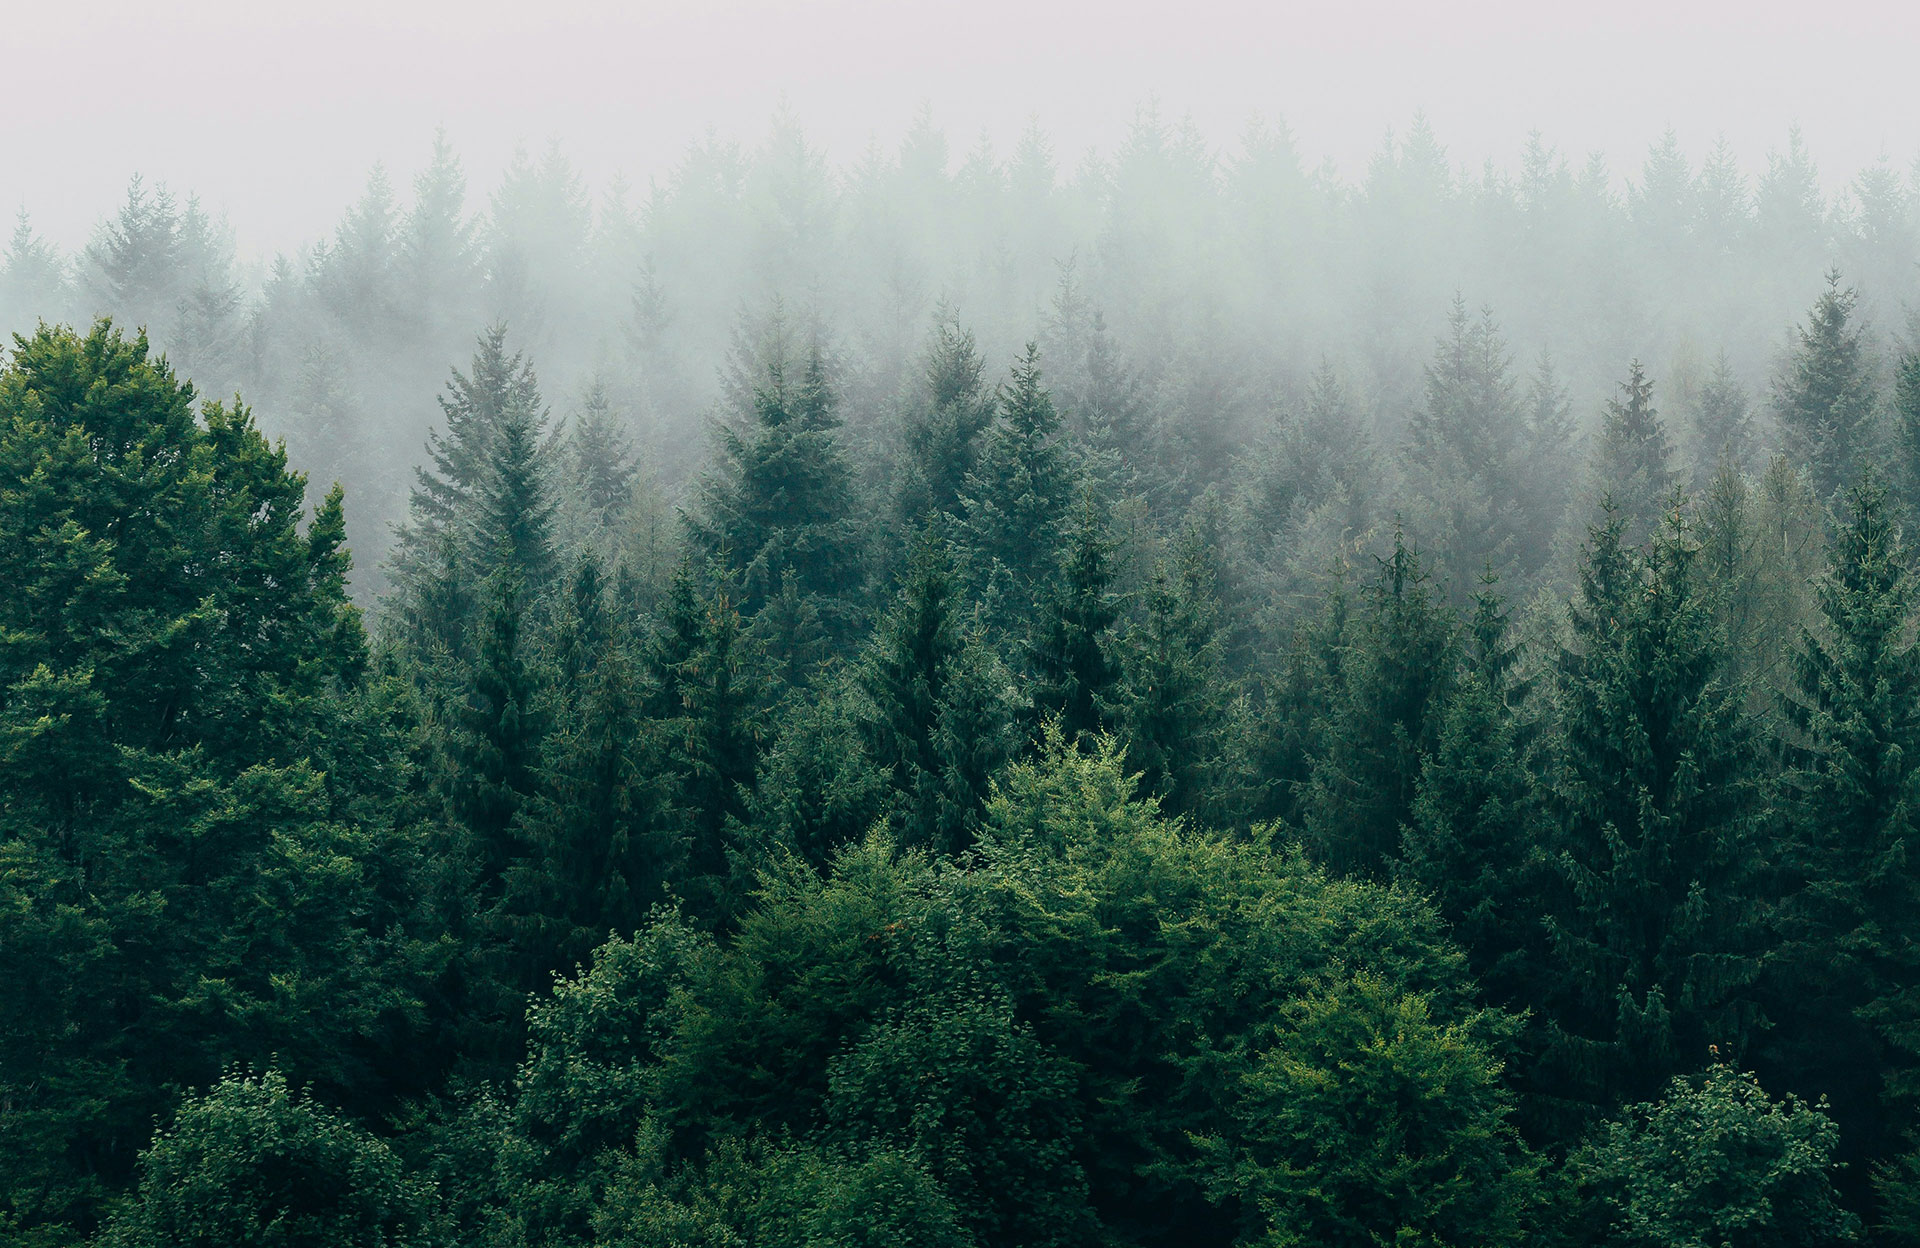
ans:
(1906, 406)
(905, 677)
(1466, 439)
(1825, 400)
(1722, 424)
(1072, 649)
(1392, 688)
(944, 436)
(1178, 718)
(780, 498)
(483, 504)
(1476, 840)
(1016, 501)
(1657, 804)
(1632, 463)
(1847, 972)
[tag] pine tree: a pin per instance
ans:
(134, 260)
(780, 498)
(1552, 454)
(1017, 499)
(1632, 464)
(1722, 424)
(720, 750)
(1657, 806)
(482, 504)
(1178, 718)
(905, 677)
(1466, 440)
(1071, 652)
(604, 467)
(943, 440)
(1847, 972)
(1476, 840)
(1906, 405)
(1825, 400)
(1393, 686)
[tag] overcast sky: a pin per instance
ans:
(274, 112)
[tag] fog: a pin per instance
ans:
(331, 204)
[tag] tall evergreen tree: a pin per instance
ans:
(1825, 400)
(943, 436)
(1466, 439)
(1179, 719)
(1476, 840)
(1393, 687)
(1848, 968)
(780, 498)
(1633, 461)
(1071, 651)
(1906, 406)
(1657, 800)
(1017, 500)
(482, 504)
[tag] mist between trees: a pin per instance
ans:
(968, 701)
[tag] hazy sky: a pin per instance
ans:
(274, 112)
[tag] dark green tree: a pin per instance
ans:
(251, 1163)
(1017, 501)
(943, 433)
(1388, 703)
(780, 498)
(1478, 836)
(1072, 652)
(1845, 971)
(198, 861)
(1657, 804)
(1716, 1161)
(1179, 716)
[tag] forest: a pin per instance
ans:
(973, 700)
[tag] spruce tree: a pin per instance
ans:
(1906, 406)
(943, 436)
(1722, 423)
(905, 677)
(1017, 500)
(483, 503)
(1657, 803)
(780, 498)
(1825, 400)
(1393, 686)
(1071, 652)
(1847, 972)
(1633, 461)
(1178, 718)
(1466, 439)
(1476, 840)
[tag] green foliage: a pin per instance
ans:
(197, 863)
(1826, 403)
(1391, 693)
(1016, 501)
(251, 1162)
(1075, 674)
(1716, 1162)
(1844, 969)
(780, 499)
(1657, 788)
(1368, 1122)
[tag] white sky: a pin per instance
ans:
(274, 112)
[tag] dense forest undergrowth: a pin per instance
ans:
(1142, 725)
